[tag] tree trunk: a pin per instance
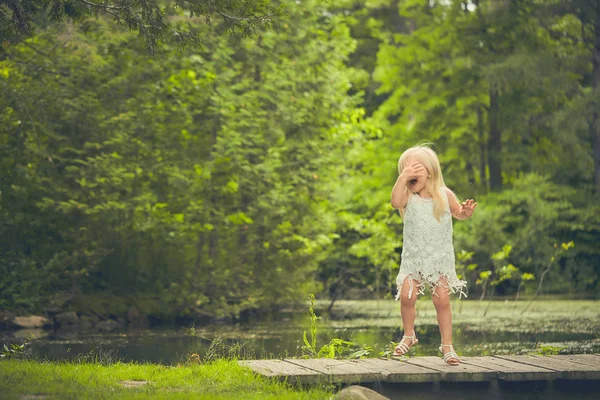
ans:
(595, 123)
(494, 148)
(470, 173)
(198, 266)
(482, 145)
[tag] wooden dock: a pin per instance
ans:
(431, 369)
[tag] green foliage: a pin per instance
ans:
(202, 181)
(240, 174)
(559, 251)
(336, 348)
(499, 88)
(547, 350)
(16, 351)
(22, 283)
(310, 346)
(98, 356)
(153, 20)
(531, 217)
(217, 350)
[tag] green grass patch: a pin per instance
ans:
(218, 380)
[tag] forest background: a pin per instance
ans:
(247, 170)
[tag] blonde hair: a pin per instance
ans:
(430, 161)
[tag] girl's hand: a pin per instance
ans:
(412, 171)
(467, 208)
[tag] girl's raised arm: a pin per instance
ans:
(460, 211)
(400, 193)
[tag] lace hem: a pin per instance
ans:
(454, 286)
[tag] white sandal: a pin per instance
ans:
(402, 348)
(450, 355)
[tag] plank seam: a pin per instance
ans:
(479, 366)
(518, 362)
(282, 374)
(304, 366)
(526, 363)
(575, 362)
(359, 376)
(422, 366)
(446, 375)
(387, 373)
(463, 361)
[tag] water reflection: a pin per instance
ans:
(170, 346)
(566, 326)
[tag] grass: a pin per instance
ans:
(26, 379)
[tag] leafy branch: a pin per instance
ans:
(558, 251)
(336, 348)
(151, 19)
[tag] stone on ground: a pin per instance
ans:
(358, 393)
(33, 321)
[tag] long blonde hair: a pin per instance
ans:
(430, 161)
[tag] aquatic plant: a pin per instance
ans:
(336, 348)
(16, 350)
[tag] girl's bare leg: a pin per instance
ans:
(441, 301)
(408, 309)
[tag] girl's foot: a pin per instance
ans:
(405, 344)
(450, 356)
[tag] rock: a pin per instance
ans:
(135, 319)
(358, 393)
(94, 319)
(6, 320)
(133, 313)
(108, 325)
(66, 318)
(30, 322)
(88, 322)
(86, 326)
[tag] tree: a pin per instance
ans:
(500, 98)
(574, 26)
(466, 77)
(151, 19)
(200, 179)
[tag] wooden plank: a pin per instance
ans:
(585, 359)
(566, 369)
(456, 373)
(430, 369)
(341, 371)
(511, 370)
(398, 371)
(283, 370)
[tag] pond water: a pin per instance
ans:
(566, 327)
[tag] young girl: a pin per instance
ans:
(427, 207)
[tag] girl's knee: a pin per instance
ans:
(406, 301)
(409, 292)
(441, 298)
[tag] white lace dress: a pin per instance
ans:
(427, 251)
